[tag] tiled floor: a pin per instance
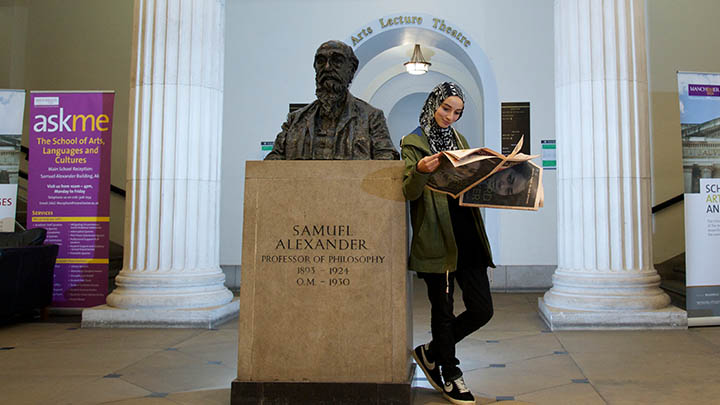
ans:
(514, 359)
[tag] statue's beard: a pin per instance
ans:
(331, 92)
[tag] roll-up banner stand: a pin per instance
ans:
(699, 95)
(69, 189)
(12, 107)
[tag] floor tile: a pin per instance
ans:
(651, 341)
(523, 377)
(215, 346)
(508, 301)
(204, 397)
(21, 388)
(428, 396)
(710, 334)
(515, 320)
(174, 371)
(142, 401)
(532, 298)
(68, 362)
(32, 333)
(514, 356)
(667, 377)
(59, 335)
(568, 394)
(97, 391)
(497, 335)
(505, 351)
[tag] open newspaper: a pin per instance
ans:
(481, 177)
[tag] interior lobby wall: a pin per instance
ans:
(6, 43)
(85, 44)
(270, 47)
(682, 36)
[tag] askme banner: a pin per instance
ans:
(699, 97)
(69, 189)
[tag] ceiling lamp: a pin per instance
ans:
(417, 64)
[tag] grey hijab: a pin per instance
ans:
(439, 138)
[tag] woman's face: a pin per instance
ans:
(449, 111)
(507, 182)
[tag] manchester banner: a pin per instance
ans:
(69, 189)
(12, 107)
(699, 96)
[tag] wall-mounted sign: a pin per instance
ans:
(515, 125)
(265, 148)
(549, 155)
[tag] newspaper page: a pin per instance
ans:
(455, 180)
(481, 177)
(461, 170)
(516, 187)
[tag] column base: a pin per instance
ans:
(669, 317)
(104, 316)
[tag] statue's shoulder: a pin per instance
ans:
(363, 105)
(308, 109)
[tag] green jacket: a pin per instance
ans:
(433, 248)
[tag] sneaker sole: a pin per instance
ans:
(427, 374)
(458, 401)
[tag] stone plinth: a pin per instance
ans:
(558, 319)
(324, 300)
(105, 316)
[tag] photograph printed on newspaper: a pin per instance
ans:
(515, 187)
(460, 170)
(454, 179)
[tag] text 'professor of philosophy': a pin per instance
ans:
(336, 126)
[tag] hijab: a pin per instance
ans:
(440, 139)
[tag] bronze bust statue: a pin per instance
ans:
(336, 126)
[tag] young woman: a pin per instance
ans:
(449, 244)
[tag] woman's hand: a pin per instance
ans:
(428, 164)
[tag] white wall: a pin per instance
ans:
(682, 36)
(269, 54)
(6, 42)
(13, 30)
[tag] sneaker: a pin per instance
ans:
(431, 370)
(457, 392)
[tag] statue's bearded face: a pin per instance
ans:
(333, 70)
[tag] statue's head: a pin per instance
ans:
(335, 65)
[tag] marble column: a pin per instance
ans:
(605, 277)
(706, 172)
(171, 275)
(688, 178)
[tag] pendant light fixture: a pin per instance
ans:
(417, 64)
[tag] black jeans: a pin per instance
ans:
(447, 329)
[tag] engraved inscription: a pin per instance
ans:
(333, 250)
